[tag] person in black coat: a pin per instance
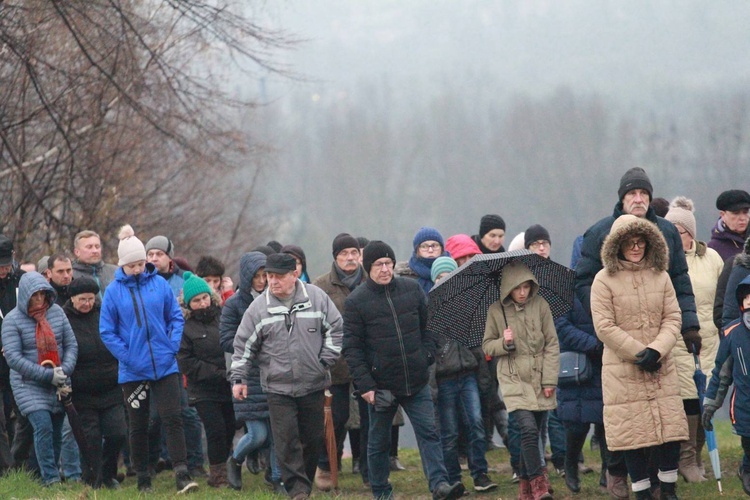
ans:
(201, 360)
(96, 394)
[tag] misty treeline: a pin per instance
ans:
(113, 112)
(381, 162)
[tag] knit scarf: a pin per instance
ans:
(349, 280)
(423, 267)
(46, 344)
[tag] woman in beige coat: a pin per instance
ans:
(637, 317)
(520, 331)
(704, 266)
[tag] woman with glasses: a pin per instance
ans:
(97, 395)
(637, 317)
(428, 245)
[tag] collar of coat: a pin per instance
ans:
(627, 226)
(300, 302)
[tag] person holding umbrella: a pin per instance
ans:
(636, 314)
(36, 337)
(97, 396)
(521, 331)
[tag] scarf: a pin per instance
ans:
(46, 344)
(423, 267)
(206, 315)
(349, 280)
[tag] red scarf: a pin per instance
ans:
(46, 344)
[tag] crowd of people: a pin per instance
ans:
(152, 353)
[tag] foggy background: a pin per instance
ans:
(412, 113)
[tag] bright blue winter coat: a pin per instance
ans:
(32, 383)
(141, 325)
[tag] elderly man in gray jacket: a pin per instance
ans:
(295, 332)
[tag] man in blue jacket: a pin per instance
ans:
(141, 325)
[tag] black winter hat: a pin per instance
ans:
(6, 251)
(342, 241)
(264, 249)
(733, 200)
(535, 233)
(635, 178)
(83, 284)
(280, 263)
(490, 222)
(376, 250)
(209, 266)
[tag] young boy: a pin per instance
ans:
(731, 366)
(521, 331)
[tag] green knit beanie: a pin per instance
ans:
(193, 286)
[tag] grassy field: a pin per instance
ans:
(407, 484)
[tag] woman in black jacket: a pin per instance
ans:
(96, 394)
(201, 359)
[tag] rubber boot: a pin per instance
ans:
(668, 491)
(573, 445)
(688, 467)
(234, 473)
(540, 488)
(524, 489)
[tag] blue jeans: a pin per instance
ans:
(47, 438)
(458, 398)
(258, 436)
(421, 414)
(69, 454)
(556, 433)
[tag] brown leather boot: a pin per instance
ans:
(217, 475)
(540, 488)
(524, 490)
(617, 487)
(688, 466)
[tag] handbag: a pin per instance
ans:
(575, 369)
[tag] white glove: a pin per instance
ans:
(58, 376)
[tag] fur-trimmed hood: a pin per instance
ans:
(743, 258)
(626, 226)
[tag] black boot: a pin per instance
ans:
(745, 476)
(644, 495)
(669, 491)
(573, 445)
(234, 473)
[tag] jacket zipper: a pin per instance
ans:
(148, 332)
(400, 341)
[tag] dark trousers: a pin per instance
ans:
(665, 457)
(106, 432)
(297, 427)
(340, 414)
(218, 420)
(530, 425)
(166, 394)
(6, 459)
(22, 447)
(191, 426)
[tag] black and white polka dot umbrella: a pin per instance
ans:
(458, 304)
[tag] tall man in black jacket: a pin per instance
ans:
(389, 351)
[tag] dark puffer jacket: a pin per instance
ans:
(201, 358)
(591, 263)
(581, 403)
(453, 360)
(730, 309)
(255, 406)
(386, 343)
(95, 377)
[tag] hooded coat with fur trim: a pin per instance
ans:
(534, 365)
(590, 263)
(634, 306)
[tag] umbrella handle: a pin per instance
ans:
(48, 362)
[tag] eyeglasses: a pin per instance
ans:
(633, 244)
(386, 264)
(541, 244)
(86, 301)
(429, 246)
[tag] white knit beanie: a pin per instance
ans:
(130, 249)
(681, 212)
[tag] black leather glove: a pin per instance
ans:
(708, 414)
(648, 360)
(692, 339)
